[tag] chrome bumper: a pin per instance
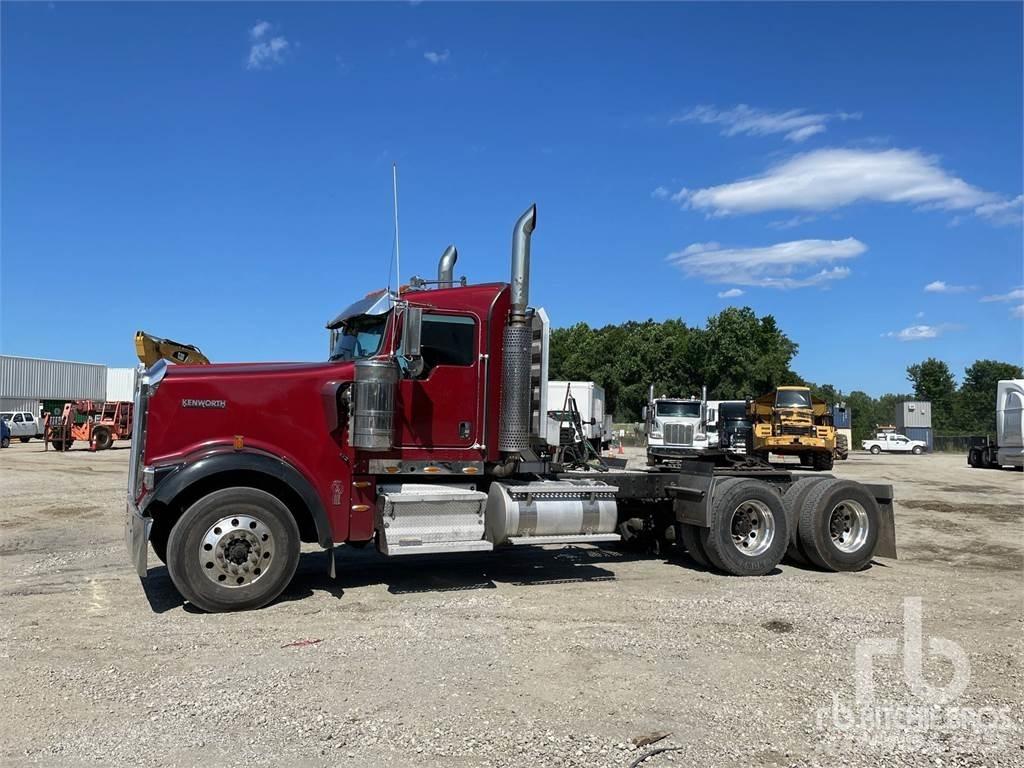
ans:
(136, 537)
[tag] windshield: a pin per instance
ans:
(729, 412)
(359, 338)
(793, 398)
(677, 409)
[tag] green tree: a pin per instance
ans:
(934, 382)
(976, 400)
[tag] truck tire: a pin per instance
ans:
(974, 458)
(60, 444)
(748, 534)
(823, 461)
(235, 549)
(24, 439)
(692, 534)
(5, 442)
(875, 450)
(691, 542)
(838, 527)
(101, 438)
(793, 500)
(917, 450)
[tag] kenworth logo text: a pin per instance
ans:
(186, 403)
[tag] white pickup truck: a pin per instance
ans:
(23, 425)
(890, 441)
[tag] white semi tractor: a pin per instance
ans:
(1008, 448)
(677, 427)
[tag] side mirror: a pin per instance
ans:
(643, 413)
(412, 329)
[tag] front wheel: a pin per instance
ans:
(875, 450)
(916, 450)
(23, 439)
(102, 439)
(5, 442)
(234, 549)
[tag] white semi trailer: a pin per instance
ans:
(1008, 448)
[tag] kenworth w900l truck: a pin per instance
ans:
(424, 433)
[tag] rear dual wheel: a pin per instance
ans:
(838, 525)
(234, 549)
(748, 532)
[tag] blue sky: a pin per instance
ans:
(221, 174)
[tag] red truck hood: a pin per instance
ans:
(217, 369)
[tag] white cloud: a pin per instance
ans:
(732, 293)
(797, 124)
(1017, 311)
(1003, 211)
(919, 315)
(783, 265)
(661, 193)
(1014, 295)
(259, 29)
(940, 286)
(265, 52)
(921, 332)
(795, 221)
(437, 57)
(831, 178)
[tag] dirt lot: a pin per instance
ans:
(540, 657)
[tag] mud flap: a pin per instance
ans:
(886, 546)
(691, 493)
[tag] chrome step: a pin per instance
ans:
(435, 547)
(594, 538)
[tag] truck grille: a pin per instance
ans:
(787, 429)
(678, 434)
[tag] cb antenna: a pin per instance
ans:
(398, 253)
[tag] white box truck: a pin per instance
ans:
(1008, 449)
(589, 399)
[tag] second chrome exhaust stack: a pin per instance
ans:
(446, 267)
(517, 343)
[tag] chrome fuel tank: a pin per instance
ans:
(550, 508)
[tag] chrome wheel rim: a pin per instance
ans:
(753, 528)
(236, 551)
(848, 525)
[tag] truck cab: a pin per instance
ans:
(676, 428)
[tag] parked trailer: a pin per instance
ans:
(97, 423)
(1008, 447)
(418, 435)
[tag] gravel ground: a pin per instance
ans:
(560, 656)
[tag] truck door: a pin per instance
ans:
(439, 408)
(17, 425)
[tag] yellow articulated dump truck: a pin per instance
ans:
(791, 422)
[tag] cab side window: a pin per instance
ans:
(448, 340)
(18, 419)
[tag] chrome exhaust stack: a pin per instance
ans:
(446, 267)
(517, 343)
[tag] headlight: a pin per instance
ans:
(656, 433)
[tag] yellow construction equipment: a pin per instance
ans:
(789, 421)
(151, 348)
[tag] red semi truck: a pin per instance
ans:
(424, 433)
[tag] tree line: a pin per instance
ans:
(738, 354)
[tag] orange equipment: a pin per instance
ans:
(98, 423)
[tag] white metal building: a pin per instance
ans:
(25, 382)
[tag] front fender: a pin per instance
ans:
(170, 485)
